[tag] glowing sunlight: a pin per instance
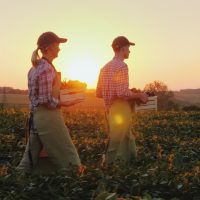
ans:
(84, 69)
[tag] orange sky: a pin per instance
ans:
(166, 34)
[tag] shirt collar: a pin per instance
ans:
(49, 62)
(118, 59)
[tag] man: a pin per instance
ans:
(113, 87)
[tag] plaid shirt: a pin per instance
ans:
(40, 82)
(113, 82)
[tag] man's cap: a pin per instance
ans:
(47, 38)
(120, 42)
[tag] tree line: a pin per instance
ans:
(158, 88)
(11, 90)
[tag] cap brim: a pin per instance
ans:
(131, 43)
(62, 40)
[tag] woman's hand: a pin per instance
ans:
(70, 103)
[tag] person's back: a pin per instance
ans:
(38, 84)
(111, 81)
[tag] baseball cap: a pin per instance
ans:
(120, 42)
(47, 38)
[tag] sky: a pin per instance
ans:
(166, 34)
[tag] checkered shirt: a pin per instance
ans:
(113, 82)
(40, 82)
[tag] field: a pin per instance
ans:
(19, 100)
(187, 97)
(14, 99)
(183, 98)
(167, 167)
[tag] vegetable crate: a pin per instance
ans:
(74, 94)
(151, 105)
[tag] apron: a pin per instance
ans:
(49, 146)
(122, 146)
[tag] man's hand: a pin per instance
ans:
(143, 97)
(139, 97)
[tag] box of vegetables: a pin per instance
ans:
(72, 90)
(142, 107)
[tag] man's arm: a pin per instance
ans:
(121, 80)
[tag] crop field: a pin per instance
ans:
(19, 100)
(14, 98)
(167, 167)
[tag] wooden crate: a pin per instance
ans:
(149, 106)
(71, 95)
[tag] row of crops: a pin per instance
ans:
(167, 167)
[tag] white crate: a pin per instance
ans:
(67, 95)
(149, 106)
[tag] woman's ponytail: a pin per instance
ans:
(35, 57)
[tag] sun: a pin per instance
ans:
(84, 69)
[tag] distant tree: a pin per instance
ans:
(10, 90)
(171, 105)
(156, 86)
(160, 89)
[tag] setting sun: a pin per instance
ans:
(83, 68)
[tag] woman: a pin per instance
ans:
(46, 124)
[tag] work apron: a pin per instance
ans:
(122, 146)
(50, 135)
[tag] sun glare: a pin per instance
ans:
(84, 69)
(118, 119)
